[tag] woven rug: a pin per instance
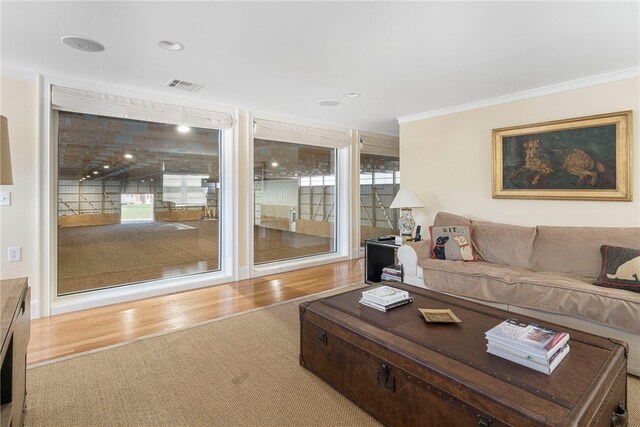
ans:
(239, 371)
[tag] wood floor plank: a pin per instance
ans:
(80, 331)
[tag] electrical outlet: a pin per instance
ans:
(15, 254)
(5, 198)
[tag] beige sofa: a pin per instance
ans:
(544, 272)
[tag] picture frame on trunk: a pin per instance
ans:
(584, 158)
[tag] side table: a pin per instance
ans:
(378, 254)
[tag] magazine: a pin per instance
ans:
(385, 307)
(384, 295)
(519, 358)
(529, 337)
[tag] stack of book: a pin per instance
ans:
(392, 273)
(528, 344)
(385, 298)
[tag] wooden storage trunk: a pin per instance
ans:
(407, 372)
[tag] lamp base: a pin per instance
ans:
(406, 222)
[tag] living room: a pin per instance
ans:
(424, 84)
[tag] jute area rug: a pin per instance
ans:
(239, 371)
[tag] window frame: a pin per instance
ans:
(343, 198)
(50, 303)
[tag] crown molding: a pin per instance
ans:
(531, 93)
(19, 75)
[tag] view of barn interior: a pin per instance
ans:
(137, 201)
(140, 201)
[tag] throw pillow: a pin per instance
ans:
(620, 268)
(452, 243)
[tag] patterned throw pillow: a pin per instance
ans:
(620, 268)
(452, 243)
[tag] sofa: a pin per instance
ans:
(546, 272)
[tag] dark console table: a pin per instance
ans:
(15, 313)
(378, 254)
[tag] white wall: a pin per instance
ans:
(19, 222)
(448, 159)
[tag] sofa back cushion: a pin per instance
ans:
(576, 250)
(504, 243)
(444, 219)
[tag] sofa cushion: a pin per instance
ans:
(576, 250)
(444, 219)
(620, 268)
(504, 243)
(452, 242)
(551, 292)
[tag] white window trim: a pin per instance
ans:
(49, 303)
(344, 203)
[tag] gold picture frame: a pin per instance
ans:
(585, 158)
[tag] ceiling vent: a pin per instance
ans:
(184, 85)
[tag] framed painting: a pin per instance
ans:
(586, 158)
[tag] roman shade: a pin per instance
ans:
(102, 104)
(379, 145)
(299, 134)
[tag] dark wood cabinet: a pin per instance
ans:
(15, 305)
(378, 254)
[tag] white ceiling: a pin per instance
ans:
(281, 58)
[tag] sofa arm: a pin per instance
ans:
(410, 253)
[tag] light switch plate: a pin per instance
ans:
(14, 254)
(5, 198)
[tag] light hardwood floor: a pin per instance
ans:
(80, 331)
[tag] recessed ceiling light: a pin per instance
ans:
(171, 45)
(128, 156)
(274, 164)
(351, 95)
(82, 44)
(88, 176)
(95, 172)
(151, 180)
(328, 102)
(183, 129)
(106, 166)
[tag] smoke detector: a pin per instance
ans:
(184, 85)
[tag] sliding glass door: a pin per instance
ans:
(137, 201)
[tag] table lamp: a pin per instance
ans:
(405, 200)
(6, 178)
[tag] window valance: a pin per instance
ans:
(379, 145)
(299, 134)
(102, 104)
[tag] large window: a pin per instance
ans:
(294, 200)
(137, 201)
(379, 183)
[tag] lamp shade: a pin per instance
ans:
(406, 198)
(6, 178)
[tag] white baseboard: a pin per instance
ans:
(244, 273)
(98, 298)
(35, 309)
(284, 266)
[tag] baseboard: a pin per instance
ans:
(35, 309)
(244, 273)
(296, 264)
